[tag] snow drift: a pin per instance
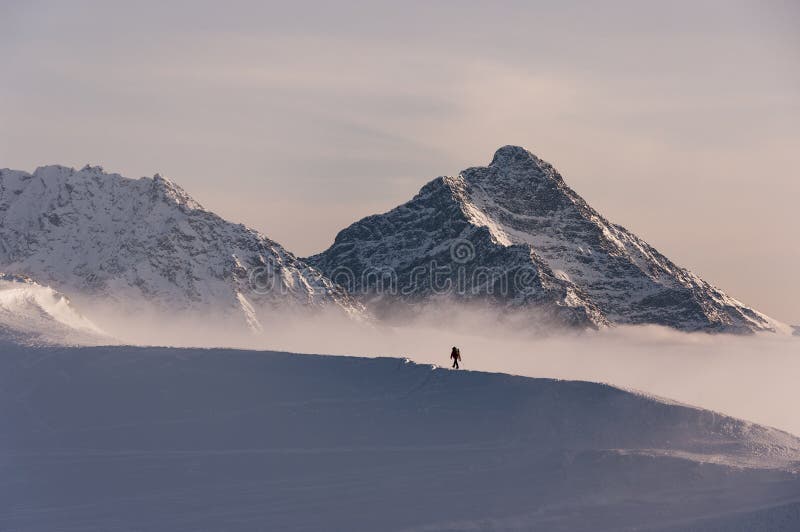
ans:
(176, 439)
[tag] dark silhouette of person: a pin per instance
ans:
(455, 354)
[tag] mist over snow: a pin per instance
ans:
(752, 377)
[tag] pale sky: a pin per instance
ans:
(678, 120)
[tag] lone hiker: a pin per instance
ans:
(455, 354)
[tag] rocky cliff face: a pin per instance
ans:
(515, 235)
(145, 240)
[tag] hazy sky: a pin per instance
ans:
(679, 120)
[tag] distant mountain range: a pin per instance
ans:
(511, 235)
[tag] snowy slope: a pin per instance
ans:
(35, 314)
(518, 215)
(145, 243)
(98, 439)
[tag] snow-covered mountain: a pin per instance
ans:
(34, 314)
(144, 243)
(160, 439)
(515, 234)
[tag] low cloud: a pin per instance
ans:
(751, 377)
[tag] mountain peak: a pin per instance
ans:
(514, 164)
(518, 215)
(174, 192)
(96, 169)
(145, 242)
(510, 154)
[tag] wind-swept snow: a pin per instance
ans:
(99, 439)
(36, 314)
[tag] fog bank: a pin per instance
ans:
(751, 377)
